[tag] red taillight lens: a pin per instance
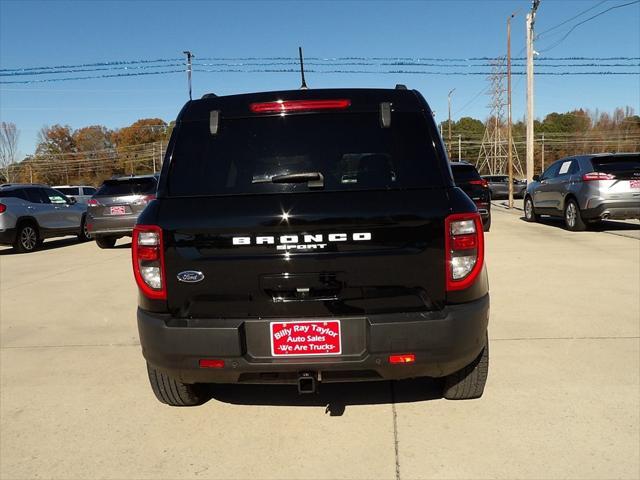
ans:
(593, 176)
(211, 363)
(404, 358)
(464, 245)
(481, 181)
(147, 254)
(93, 202)
(286, 106)
(3, 208)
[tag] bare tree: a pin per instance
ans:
(9, 135)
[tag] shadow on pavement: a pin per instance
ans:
(47, 245)
(335, 397)
(603, 226)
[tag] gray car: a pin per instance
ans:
(499, 186)
(31, 213)
(586, 189)
(114, 209)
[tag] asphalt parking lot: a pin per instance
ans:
(562, 400)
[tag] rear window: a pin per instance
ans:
(350, 150)
(464, 173)
(129, 186)
(68, 190)
(617, 165)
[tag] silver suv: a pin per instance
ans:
(30, 213)
(114, 209)
(586, 189)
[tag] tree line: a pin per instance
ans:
(88, 155)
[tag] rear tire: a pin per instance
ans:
(106, 242)
(469, 382)
(173, 392)
(573, 218)
(27, 238)
(529, 212)
(486, 225)
(84, 235)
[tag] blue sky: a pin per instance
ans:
(35, 33)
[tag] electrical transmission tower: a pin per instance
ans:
(494, 151)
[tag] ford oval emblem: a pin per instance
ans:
(190, 276)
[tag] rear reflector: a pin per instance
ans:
(211, 363)
(285, 106)
(594, 176)
(404, 358)
(3, 208)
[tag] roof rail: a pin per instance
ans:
(209, 95)
(400, 86)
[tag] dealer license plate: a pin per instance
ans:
(305, 338)
(119, 210)
(635, 183)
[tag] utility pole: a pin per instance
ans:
(153, 157)
(542, 152)
(449, 101)
(531, 16)
(509, 122)
(189, 57)
(459, 147)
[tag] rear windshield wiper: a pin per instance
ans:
(313, 179)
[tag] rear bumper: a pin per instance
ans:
(117, 225)
(613, 209)
(7, 236)
(443, 342)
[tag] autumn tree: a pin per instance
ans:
(55, 153)
(9, 136)
(139, 145)
(94, 147)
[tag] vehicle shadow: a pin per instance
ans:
(603, 226)
(47, 245)
(335, 397)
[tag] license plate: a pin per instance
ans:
(635, 183)
(119, 210)
(292, 339)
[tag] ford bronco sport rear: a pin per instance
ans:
(310, 236)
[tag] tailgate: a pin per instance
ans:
(315, 254)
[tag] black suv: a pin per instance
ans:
(468, 179)
(310, 236)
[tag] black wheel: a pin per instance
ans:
(27, 238)
(486, 225)
(573, 218)
(529, 213)
(106, 242)
(173, 392)
(469, 382)
(84, 235)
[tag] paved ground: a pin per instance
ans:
(562, 399)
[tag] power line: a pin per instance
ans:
(569, 19)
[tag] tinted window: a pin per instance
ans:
(69, 190)
(128, 186)
(351, 151)
(37, 195)
(464, 173)
(88, 190)
(552, 171)
(17, 193)
(614, 164)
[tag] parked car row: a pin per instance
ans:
(31, 213)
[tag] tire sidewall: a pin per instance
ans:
(532, 216)
(20, 245)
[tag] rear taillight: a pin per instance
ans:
(3, 208)
(481, 181)
(464, 244)
(148, 261)
(593, 176)
(93, 203)
(286, 106)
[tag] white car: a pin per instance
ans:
(81, 193)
